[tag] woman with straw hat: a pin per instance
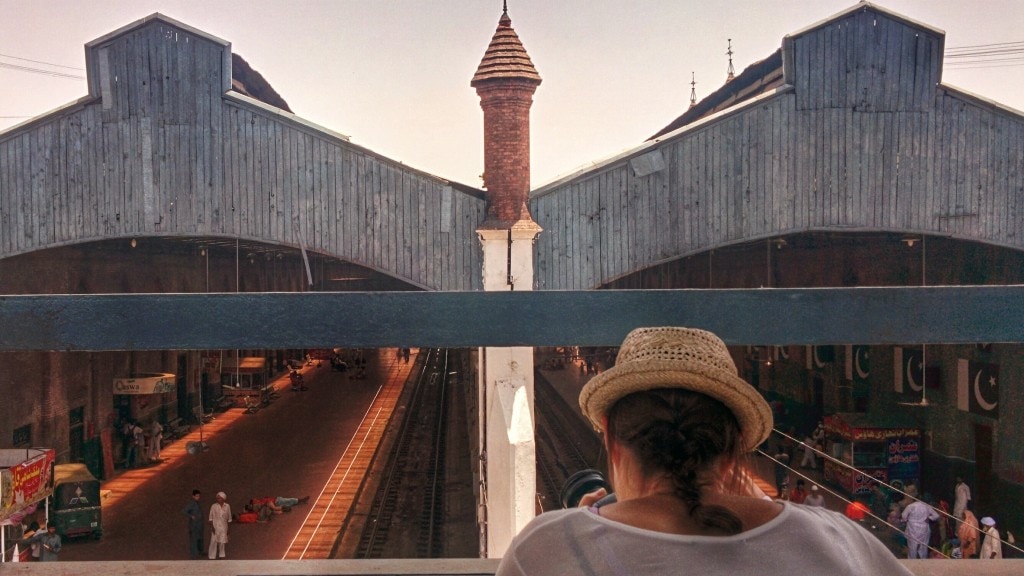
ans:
(676, 420)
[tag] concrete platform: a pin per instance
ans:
(436, 567)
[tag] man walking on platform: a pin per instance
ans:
(991, 546)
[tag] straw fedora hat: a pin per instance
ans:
(687, 358)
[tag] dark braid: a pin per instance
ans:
(682, 434)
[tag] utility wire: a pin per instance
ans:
(836, 461)
(996, 55)
(38, 62)
(42, 71)
(843, 498)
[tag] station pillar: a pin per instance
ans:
(506, 398)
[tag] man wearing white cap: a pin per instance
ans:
(814, 498)
(991, 547)
(220, 517)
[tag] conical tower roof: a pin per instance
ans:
(505, 57)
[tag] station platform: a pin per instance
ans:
(318, 442)
(569, 381)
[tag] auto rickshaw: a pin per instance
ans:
(75, 505)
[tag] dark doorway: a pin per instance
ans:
(982, 467)
(818, 389)
(184, 402)
(76, 434)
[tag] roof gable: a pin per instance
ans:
(864, 58)
(112, 57)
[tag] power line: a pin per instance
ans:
(995, 55)
(828, 457)
(41, 71)
(38, 62)
(976, 46)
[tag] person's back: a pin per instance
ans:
(676, 420)
(799, 540)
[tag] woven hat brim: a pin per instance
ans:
(748, 406)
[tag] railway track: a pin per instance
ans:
(565, 445)
(407, 513)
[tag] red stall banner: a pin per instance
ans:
(26, 477)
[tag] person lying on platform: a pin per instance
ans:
(252, 514)
(278, 504)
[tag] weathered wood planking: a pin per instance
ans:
(162, 150)
(865, 138)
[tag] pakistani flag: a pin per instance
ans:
(858, 363)
(780, 353)
(908, 370)
(978, 388)
(818, 356)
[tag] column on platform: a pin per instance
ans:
(507, 397)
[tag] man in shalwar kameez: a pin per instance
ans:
(220, 517)
(991, 546)
(918, 531)
(963, 496)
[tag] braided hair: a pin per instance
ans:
(681, 434)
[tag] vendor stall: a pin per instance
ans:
(26, 480)
(245, 381)
(879, 448)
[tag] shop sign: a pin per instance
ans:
(865, 480)
(145, 384)
(884, 433)
(904, 458)
(211, 362)
(27, 482)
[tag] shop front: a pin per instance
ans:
(143, 398)
(26, 480)
(869, 450)
(245, 380)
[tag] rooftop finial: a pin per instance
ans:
(732, 72)
(693, 90)
(504, 6)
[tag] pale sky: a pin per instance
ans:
(394, 74)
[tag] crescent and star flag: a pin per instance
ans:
(858, 362)
(908, 369)
(978, 388)
(818, 356)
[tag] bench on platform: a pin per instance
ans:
(175, 428)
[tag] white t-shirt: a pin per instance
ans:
(800, 540)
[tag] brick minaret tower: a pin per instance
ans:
(505, 82)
